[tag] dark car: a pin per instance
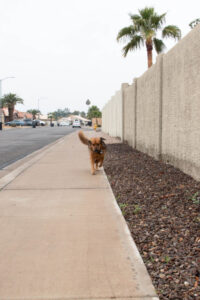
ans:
(28, 122)
(89, 123)
(16, 123)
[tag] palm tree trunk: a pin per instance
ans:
(11, 111)
(149, 53)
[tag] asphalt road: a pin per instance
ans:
(17, 143)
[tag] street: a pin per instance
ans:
(19, 142)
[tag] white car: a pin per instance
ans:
(76, 123)
(42, 123)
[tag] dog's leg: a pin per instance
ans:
(92, 169)
(97, 164)
(92, 166)
(101, 163)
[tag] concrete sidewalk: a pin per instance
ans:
(62, 234)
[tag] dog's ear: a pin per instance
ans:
(103, 145)
(102, 139)
(89, 143)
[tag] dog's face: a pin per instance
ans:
(97, 144)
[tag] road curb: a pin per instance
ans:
(132, 250)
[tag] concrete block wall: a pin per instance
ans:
(129, 122)
(181, 105)
(112, 116)
(159, 114)
(148, 109)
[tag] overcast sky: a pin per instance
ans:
(63, 52)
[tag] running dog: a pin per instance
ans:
(97, 149)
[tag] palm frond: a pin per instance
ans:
(135, 17)
(148, 21)
(171, 31)
(194, 23)
(34, 111)
(147, 13)
(149, 33)
(135, 43)
(138, 22)
(10, 99)
(126, 33)
(159, 45)
(157, 20)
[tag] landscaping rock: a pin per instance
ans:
(161, 205)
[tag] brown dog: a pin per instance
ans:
(97, 149)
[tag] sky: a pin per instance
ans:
(63, 52)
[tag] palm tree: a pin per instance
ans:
(34, 112)
(88, 102)
(194, 23)
(143, 32)
(51, 116)
(10, 100)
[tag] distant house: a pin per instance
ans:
(18, 115)
(71, 118)
(81, 119)
(22, 115)
(43, 117)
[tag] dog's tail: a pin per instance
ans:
(83, 138)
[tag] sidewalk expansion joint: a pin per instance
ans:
(90, 298)
(56, 189)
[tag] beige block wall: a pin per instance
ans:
(129, 113)
(181, 105)
(148, 110)
(105, 119)
(163, 119)
(112, 116)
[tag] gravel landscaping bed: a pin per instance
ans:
(161, 206)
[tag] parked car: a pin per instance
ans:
(28, 122)
(15, 123)
(40, 123)
(89, 123)
(76, 124)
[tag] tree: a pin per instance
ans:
(34, 112)
(83, 114)
(194, 23)
(143, 32)
(10, 100)
(88, 102)
(93, 112)
(50, 116)
(76, 113)
(59, 113)
(65, 112)
(55, 115)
